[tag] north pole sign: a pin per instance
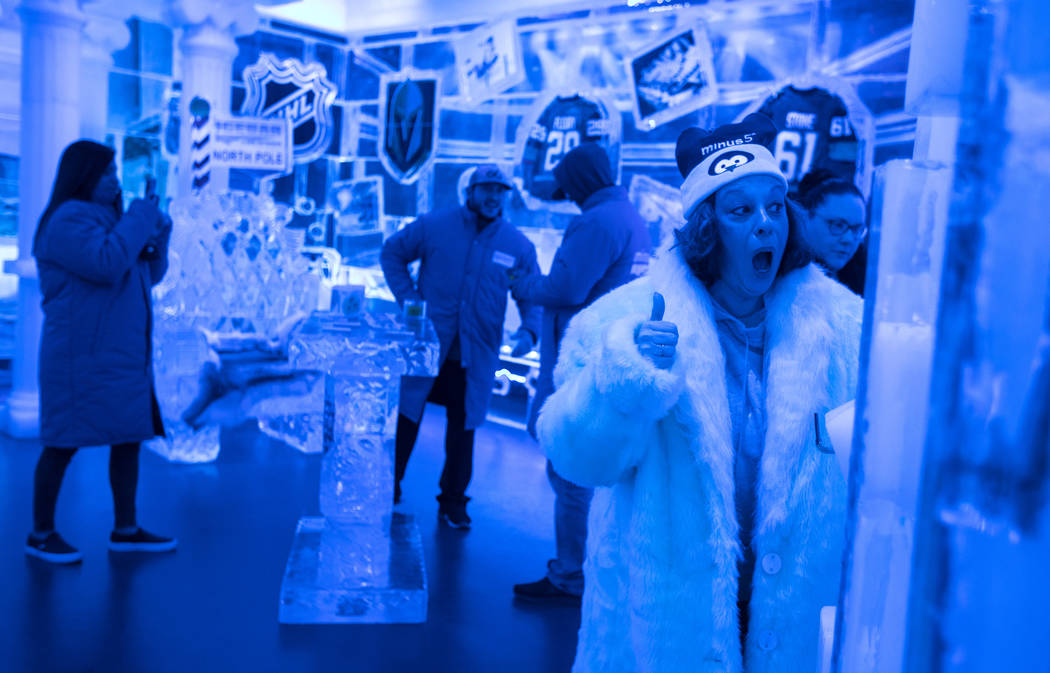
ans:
(298, 92)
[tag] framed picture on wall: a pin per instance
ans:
(671, 77)
(409, 123)
(489, 60)
(356, 207)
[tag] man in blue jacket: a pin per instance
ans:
(467, 254)
(603, 248)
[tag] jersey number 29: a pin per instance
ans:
(559, 143)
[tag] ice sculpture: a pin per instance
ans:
(234, 269)
(958, 461)
(359, 562)
(980, 586)
(907, 248)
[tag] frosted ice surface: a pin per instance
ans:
(354, 574)
(234, 268)
(364, 359)
(361, 562)
(908, 243)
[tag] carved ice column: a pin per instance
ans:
(50, 120)
(206, 52)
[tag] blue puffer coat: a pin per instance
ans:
(96, 372)
(605, 247)
(464, 276)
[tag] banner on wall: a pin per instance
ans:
(823, 125)
(553, 127)
(409, 126)
(252, 143)
(489, 60)
(672, 77)
(298, 92)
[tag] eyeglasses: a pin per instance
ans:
(838, 227)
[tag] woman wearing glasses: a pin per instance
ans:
(837, 226)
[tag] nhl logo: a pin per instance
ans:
(301, 93)
(409, 124)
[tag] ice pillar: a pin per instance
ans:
(906, 251)
(950, 523)
(979, 582)
(207, 61)
(50, 118)
(360, 562)
(206, 53)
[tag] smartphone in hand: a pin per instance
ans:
(151, 195)
(151, 190)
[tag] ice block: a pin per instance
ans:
(359, 562)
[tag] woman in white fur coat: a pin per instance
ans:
(717, 530)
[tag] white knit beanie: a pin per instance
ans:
(710, 161)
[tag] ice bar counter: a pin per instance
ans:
(359, 562)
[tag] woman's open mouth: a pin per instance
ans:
(763, 261)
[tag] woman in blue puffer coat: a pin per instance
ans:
(97, 265)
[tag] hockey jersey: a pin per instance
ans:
(564, 123)
(815, 132)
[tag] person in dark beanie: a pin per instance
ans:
(467, 256)
(97, 265)
(603, 248)
(836, 229)
(688, 399)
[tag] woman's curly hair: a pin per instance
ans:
(702, 249)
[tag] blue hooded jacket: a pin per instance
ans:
(603, 248)
(464, 276)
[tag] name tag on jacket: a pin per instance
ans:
(503, 259)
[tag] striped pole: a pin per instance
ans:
(200, 137)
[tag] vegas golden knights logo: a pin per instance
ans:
(409, 130)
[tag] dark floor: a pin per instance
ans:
(212, 605)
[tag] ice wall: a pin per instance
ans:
(950, 529)
(980, 585)
(907, 247)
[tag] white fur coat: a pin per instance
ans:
(661, 569)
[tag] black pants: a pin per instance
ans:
(123, 481)
(450, 391)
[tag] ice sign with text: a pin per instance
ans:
(252, 143)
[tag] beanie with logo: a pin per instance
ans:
(711, 160)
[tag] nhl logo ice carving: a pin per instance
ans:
(298, 92)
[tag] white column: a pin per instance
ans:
(50, 120)
(206, 53)
(102, 36)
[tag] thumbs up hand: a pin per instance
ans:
(655, 338)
